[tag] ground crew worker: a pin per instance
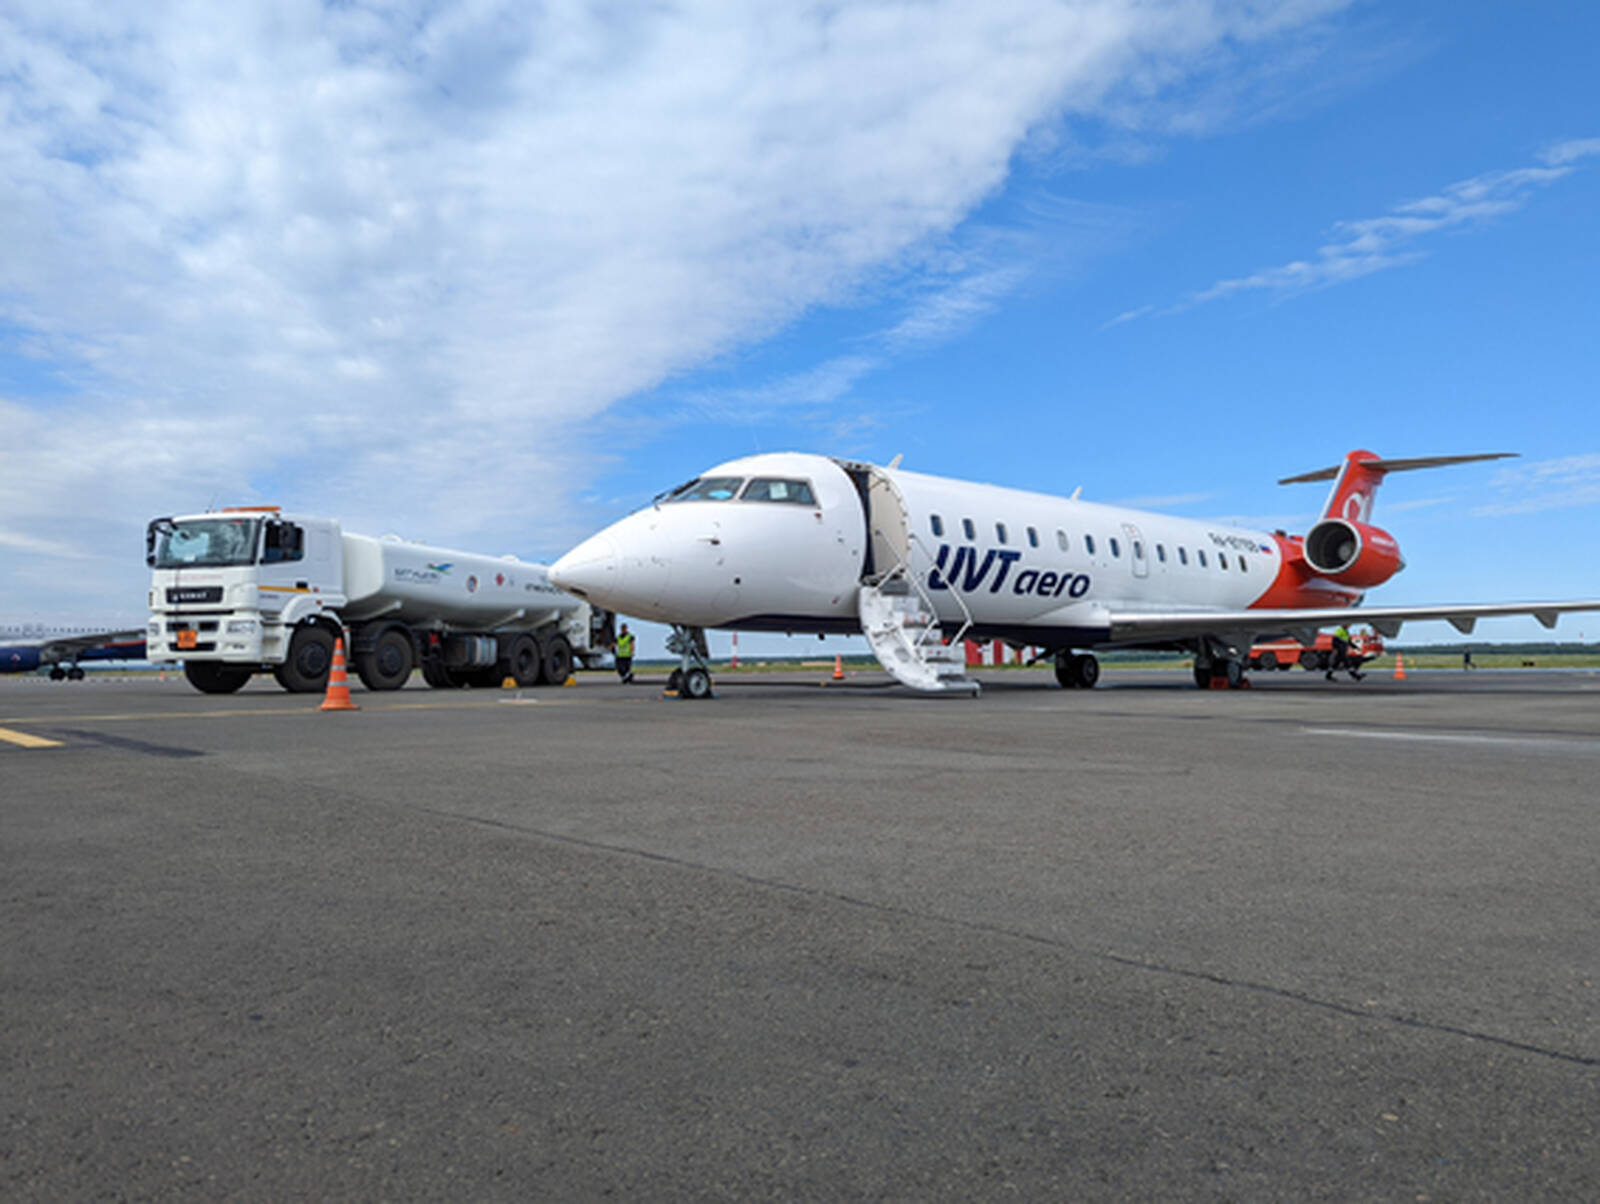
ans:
(1341, 655)
(623, 652)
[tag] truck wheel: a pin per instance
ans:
(1308, 660)
(524, 663)
(387, 664)
(1267, 661)
(310, 658)
(209, 677)
(557, 660)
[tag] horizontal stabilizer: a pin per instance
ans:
(1382, 466)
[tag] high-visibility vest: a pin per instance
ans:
(1342, 634)
(625, 644)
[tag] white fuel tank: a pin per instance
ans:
(425, 586)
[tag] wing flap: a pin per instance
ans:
(1129, 626)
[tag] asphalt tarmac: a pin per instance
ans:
(1310, 940)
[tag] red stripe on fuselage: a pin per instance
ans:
(1297, 585)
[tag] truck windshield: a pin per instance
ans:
(205, 541)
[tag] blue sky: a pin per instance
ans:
(491, 276)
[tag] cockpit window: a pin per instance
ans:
(779, 489)
(707, 489)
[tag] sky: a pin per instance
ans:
(491, 275)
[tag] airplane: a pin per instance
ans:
(28, 646)
(797, 542)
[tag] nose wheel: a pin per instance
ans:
(692, 679)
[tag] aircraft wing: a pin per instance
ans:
(1303, 624)
(57, 648)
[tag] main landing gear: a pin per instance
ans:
(1077, 669)
(67, 673)
(1216, 674)
(692, 679)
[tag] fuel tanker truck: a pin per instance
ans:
(249, 588)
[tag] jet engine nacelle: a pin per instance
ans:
(1352, 553)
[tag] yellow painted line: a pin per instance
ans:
(27, 741)
(285, 712)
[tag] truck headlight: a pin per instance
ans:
(241, 626)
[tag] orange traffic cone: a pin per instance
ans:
(338, 695)
(838, 667)
(1399, 667)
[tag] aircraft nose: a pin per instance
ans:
(591, 570)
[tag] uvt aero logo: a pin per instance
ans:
(968, 571)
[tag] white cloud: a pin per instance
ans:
(388, 261)
(1360, 248)
(1558, 484)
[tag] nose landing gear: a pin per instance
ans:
(692, 679)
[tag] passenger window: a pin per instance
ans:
(1088, 542)
(1000, 532)
(1061, 539)
(1201, 555)
(708, 489)
(1244, 566)
(1033, 538)
(1222, 560)
(1161, 553)
(1138, 550)
(936, 523)
(774, 489)
(968, 529)
(1183, 556)
(1116, 548)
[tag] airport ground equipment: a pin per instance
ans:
(250, 589)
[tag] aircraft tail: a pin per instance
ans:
(1356, 481)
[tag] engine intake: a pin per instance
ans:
(1352, 553)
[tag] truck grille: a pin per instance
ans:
(194, 593)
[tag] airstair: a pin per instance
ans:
(898, 619)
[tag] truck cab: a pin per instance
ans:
(229, 589)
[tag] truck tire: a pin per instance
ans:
(387, 664)
(210, 677)
(557, 660)
(525, 662)
(1308, 659)
(310, 657)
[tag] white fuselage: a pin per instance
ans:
(1025, 566)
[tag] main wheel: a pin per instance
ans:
(1202, 676)
(525, 661)
(310, 657)
(387, 664)
(557, 660)
(210, 677)
(1088, 671)
(696, 685)
(1067, 666)
(675, 681)
(1234, 672)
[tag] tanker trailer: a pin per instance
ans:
(247, 589)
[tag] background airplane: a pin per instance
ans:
(795, 542)
(25, 647)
